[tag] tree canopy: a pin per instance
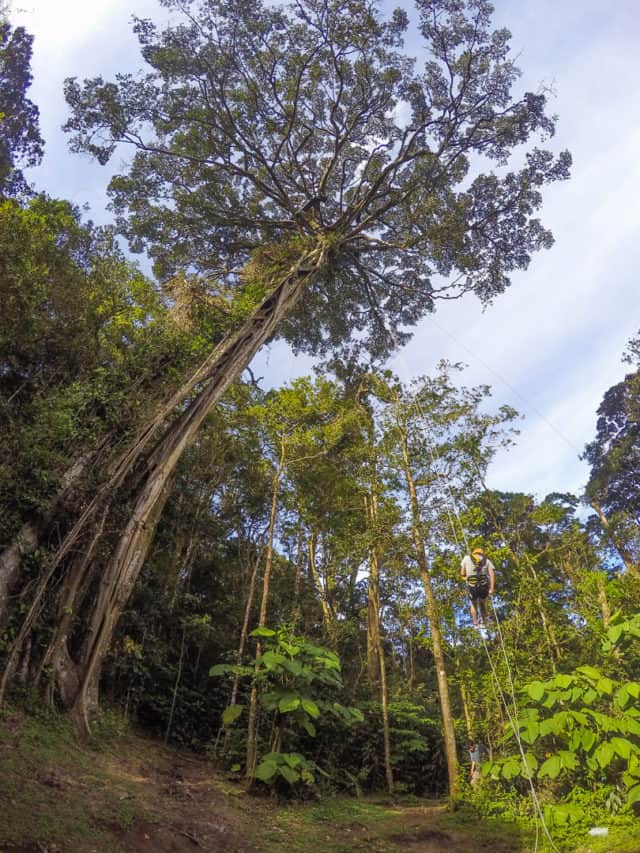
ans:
(258, 125)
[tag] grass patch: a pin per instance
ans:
(52, 790)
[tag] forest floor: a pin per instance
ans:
(138, 796)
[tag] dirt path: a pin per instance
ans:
(138, 796)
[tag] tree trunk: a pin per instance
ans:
(244, 633)
(176, 685)
(376, 663)
(28, 537)
(433, 615)
(252, 740)
(327, 613)
(232, 357)
(619, 546)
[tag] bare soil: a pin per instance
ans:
(138, 796)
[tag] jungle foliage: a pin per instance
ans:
(271, 575)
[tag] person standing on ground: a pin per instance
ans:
(479, 573)
(477, 752)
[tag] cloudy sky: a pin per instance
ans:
(551, 345)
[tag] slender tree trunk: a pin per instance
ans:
(176, 685)
(373, 602)
(232, 357)
(244, 633)
(619, 546)
(433, 615)
(603, 601)
(327, 613)
(252, 741)
(376, 663)
(297, 582)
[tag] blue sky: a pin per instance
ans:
(552, 344)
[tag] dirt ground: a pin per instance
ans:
(138, 796)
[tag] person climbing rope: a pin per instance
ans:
(479, 572)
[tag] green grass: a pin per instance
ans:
(50, 792)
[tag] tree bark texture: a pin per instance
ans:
(375, 651)
(252, 723)
(30, 534)
(433, 615)
(232, 357)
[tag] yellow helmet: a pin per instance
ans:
(477, 554)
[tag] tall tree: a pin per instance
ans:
(20, 142)
(296, 156)
(614, 456)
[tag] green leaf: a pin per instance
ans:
(530, 764)
(262, 632)
(568, 759)
(588, 739)
(272, 660)
(307, 776)
(220, 669)
(288, 703)
(309, 728)
(633, 795)
(621, 747)
(535, 690)
(511, 768)
(293, 759)
(292, 776)
(311, 708)
(530, 733)
(605, 685)
(551, 767)
(266, 771)
(615, 632)
(293, 666)
(633, 689)
(590, 672)
(621, 698)
(604, 754)
(231, 714)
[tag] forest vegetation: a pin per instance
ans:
(269, 577)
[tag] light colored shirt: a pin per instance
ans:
(470, 568)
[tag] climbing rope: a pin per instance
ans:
(512, 712)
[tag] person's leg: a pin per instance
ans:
(474, 611)
(484, 612)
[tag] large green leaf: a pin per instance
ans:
(292, 776)
(605, 685)
(266, 770)
(551, 767)
(231, 714)
(633, 795)
(590, 672)
(289, 702)
(535, 690)
(604, 754)
(621, 747)
(262, 632)
(311, 708)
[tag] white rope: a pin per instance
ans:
(512, 713)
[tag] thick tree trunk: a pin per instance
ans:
(30, 534)
(433, 615)
(233, 356)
